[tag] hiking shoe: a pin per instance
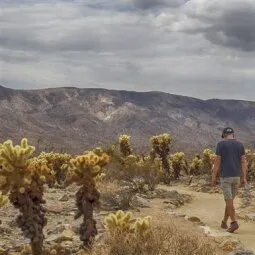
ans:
(224, 225)
(233, 227)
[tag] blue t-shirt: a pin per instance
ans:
(230, 152)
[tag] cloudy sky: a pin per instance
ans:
(199, 48)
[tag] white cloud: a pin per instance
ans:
(196, 48)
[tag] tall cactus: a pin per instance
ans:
(161, 147)
(207, 159)
(23, 177)
(82, 171)
(178, 163)
(196, 165)
(125, 147)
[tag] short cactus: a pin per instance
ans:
(124, 223)
(119, 222)
(143, 226)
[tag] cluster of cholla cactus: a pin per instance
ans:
(250, 157)
(22, 178)
(58, 163)
(161, 147)
(123, 223)
(178, 163)
(196, 165)
(125, 147)
(82, 171)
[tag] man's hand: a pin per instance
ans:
(243, 182)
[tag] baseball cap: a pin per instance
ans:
(227, 131)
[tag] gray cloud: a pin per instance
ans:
(146, 4)
(230, 23)
(177, 50)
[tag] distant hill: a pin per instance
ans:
(74, 120)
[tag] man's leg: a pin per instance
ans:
(231, 210)
(225, 219)
(230, 205)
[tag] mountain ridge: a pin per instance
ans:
(74, 119)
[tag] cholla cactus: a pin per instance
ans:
(125, 147)
(160, 146)
(58, 163)
(82, 171)
(119, 222)
(143, 226)
(208, 157)
(196, 165)
(3, 200)
(23, 177)
(177, 161)
(123, 223)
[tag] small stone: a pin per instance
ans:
(137, 201)
(54, 208)
(66, 235)
(250, 216)
(64, 198)
(242, 252)
(193, 219)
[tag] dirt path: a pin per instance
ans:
(209, 208)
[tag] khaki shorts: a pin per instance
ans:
(229, 186)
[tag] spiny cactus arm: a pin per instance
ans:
(142, 226)
(3, 200)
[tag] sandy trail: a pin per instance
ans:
(210, 209)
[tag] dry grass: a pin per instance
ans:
(173, 238)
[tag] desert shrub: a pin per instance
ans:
(171, 238)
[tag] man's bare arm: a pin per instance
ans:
(243, 167)
(216, 166)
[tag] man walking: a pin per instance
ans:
(230, 163)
